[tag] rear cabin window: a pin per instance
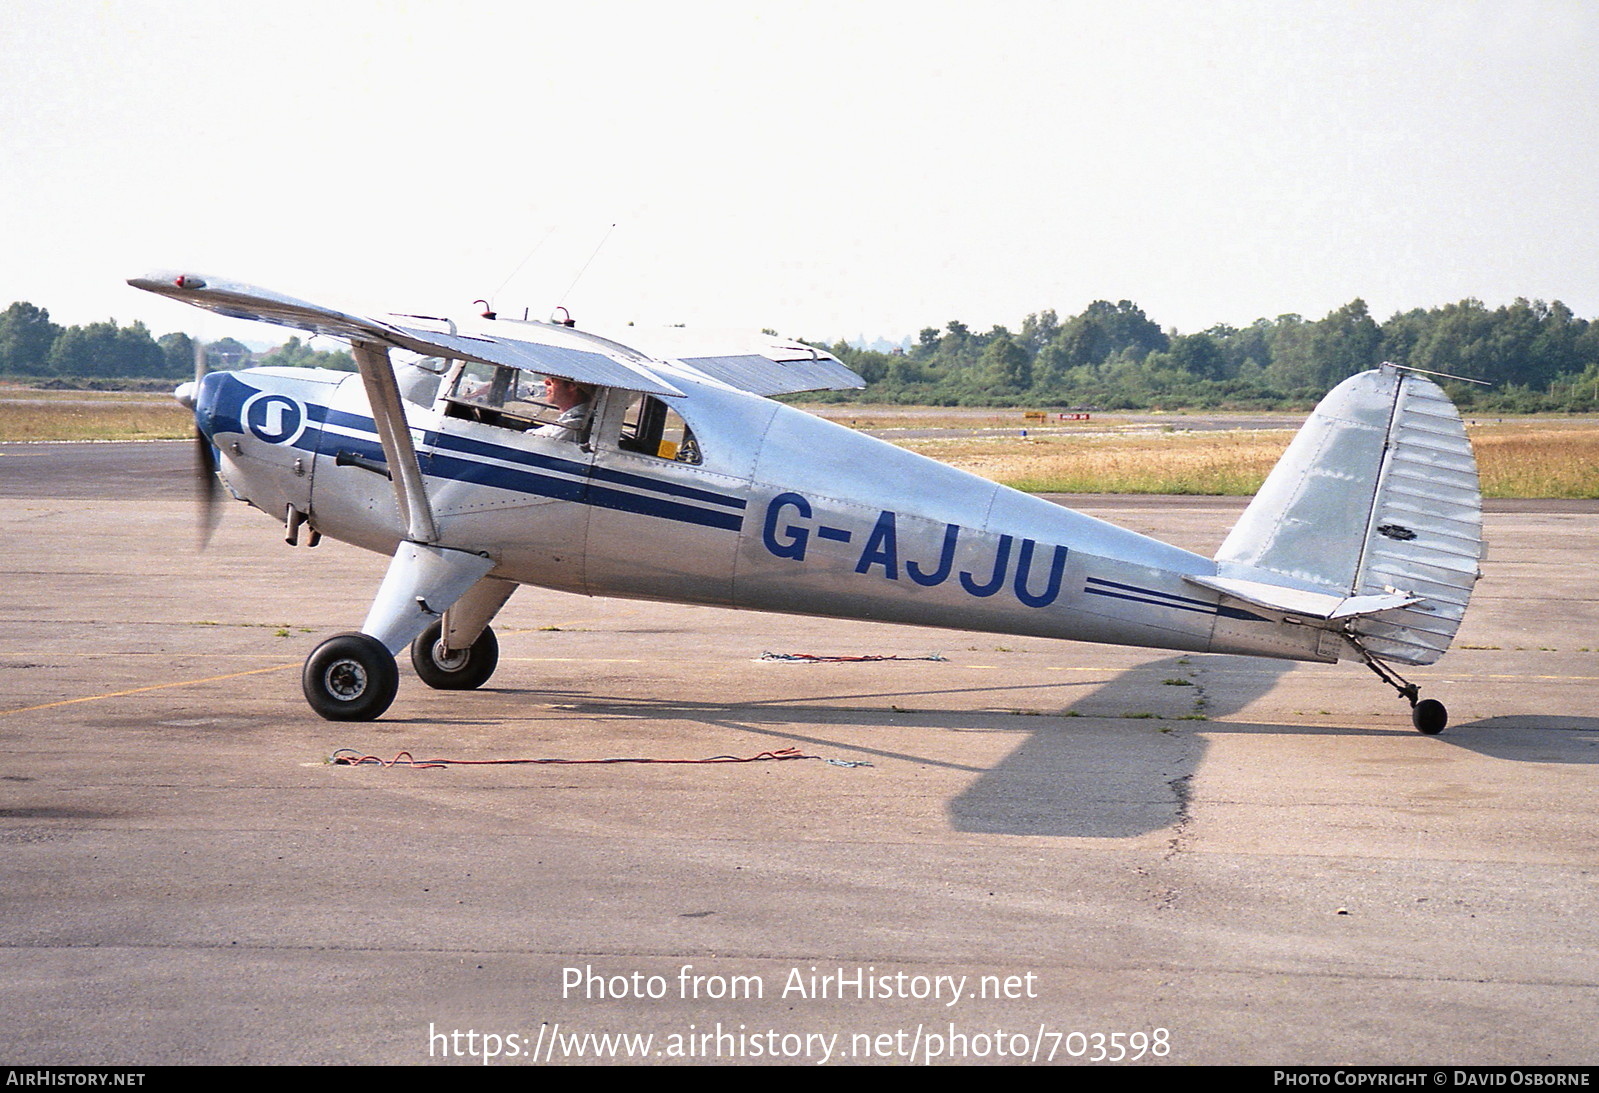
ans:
(651, 427)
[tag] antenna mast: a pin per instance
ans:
(562, 303)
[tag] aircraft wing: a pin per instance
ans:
(583, 364)
(556, 352)
(764, 374)
(762, 364)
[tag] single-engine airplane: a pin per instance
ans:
(517, 452)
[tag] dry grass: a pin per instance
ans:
(127, 417)
(1231, 462)
(870, 418)
(1527, 458)
(1538, 458)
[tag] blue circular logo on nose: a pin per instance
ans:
(276, 419)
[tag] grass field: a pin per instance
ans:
(88, 415)
(1517, 457)
(1230, 462)
(1530, 457)
(1538, 458)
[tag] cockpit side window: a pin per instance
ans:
(651, 427)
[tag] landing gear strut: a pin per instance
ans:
(1427, 714)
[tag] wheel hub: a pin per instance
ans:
(345, 680)
(450, 661)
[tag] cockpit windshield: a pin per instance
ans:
(556, 407)
(510, 398)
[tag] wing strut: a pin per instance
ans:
(395, 434)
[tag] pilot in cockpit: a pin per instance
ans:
(572, 400)
(507, 398)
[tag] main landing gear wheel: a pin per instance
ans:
(350, 677)
(1429, 716)
(460, 670)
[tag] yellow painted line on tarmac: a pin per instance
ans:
(141, 690)
(125, 654)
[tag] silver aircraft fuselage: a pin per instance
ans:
(785, 512)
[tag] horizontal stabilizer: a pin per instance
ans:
(1302, 602)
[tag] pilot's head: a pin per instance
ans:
(563, 394)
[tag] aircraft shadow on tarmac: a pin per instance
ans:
(1529, 738)
(1114, 768)
(1097, 763)
(1065, 782)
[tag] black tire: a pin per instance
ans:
(1429, 716)
(466, 671)
(350, 677)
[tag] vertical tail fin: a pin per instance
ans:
(1377, 494)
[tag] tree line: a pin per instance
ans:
(33, 347)
(1535, 356)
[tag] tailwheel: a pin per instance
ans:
(350, 677)
(1429, 716)
(454, 669)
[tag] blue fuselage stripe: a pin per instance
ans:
(582, 487)
(448, 456)
(1164, 599)
(572, 489)
(468, 446)
(1146, 599)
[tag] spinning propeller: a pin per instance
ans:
(207, 488)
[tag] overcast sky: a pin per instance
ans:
(827, 169)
